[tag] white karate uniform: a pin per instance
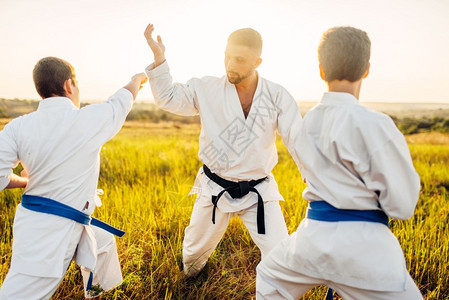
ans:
(59, 146)
(355, 159)
(235, 148)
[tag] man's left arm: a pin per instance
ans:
(289, 120)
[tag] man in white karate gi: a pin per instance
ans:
(359, 172)
(240, 114)
(59, 145)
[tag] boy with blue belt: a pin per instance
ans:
(59, 147)
(359, 172)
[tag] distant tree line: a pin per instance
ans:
(406, 125)
(3, 111)
(424, 124)
(158, 115)
(147, 112)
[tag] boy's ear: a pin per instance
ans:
(367, 71)
(323, 76)
(68, 87)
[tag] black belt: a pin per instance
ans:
(238, 190)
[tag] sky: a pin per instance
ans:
(103, 40)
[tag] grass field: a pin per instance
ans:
(147, 172)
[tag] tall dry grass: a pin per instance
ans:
(147, 172)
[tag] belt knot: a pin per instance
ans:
(244, 188)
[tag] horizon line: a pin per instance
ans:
(308, 101)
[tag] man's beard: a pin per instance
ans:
(236, 78)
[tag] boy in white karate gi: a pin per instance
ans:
(358, 171)
(240, 114)
(59, 146)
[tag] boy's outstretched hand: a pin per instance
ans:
(136, 83)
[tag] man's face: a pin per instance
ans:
(240, 62)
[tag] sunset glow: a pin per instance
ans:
(104, 41)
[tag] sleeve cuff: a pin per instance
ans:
(152, 71)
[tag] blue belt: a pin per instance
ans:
(49, 206)
(323, 211)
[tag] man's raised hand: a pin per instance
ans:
(158, 47)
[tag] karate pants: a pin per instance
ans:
(290, 283)
(107, 272)
(275, 289)
(202, 236)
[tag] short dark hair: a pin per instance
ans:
(344, 53)
(247, 37)
(49, 75)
